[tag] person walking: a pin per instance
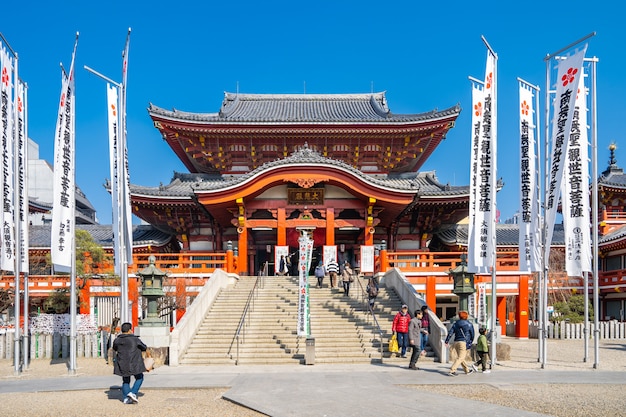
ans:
(332, 267)
(128, 362)
(425, 329)
(482, 349)
(415, 332)
(347, 277)
(319, 274)
(372, 291)
(283, 266)
(400, 326)
(463, 333)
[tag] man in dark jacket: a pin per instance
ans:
(129, 362)
(463, 332)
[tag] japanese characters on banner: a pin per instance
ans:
(113, 122)
(575, 195)
(477, 118)
(330, 254)
(529, 222)
(63, 220)
(304, 264)
(7, 255)
(124, 173)
(485, 197)
(481, 295)
(367, 259)
(22, 156)
(569, 71)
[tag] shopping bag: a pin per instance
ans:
(393, 344)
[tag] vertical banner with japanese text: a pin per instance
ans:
(529, 222)
(113, 123)
(569, 70)
(575, 195)
(485, 204)
(63, 188)
(304, 264)
(22, 182)
(7, 255)
(477, 117)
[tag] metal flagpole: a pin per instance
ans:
(22, 237)
(72, 369)
(594, 214)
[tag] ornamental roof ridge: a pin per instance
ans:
(319, 109)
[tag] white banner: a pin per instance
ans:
(304, 264)
(124, 184)
(478, 97)
(7, 255)
(568, 73)
(64, 189)
(22, 155)
(113, 123)
(330, 254)
(485, 204)
(529, 239)
(575, 197)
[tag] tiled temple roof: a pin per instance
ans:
(506, 234)
(184, 185)
(143, 235)
(305, 108)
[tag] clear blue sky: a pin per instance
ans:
(185, 54)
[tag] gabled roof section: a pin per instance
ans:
(185, 185)
(304, 109)
(143, 235)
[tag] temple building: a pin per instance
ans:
(268, 165)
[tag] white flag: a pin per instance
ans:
(568, 73)
(304, 263)
(113, 114)
(485, 205)
(576, 192)
(63, 204)
(22, 155)
(124, 184)
(529, 245)
(478, 97)
(7, 255)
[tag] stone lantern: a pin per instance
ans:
(152, 289)
(463, 283)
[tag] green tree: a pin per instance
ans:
(572, 310)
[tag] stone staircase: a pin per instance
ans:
(341, 326)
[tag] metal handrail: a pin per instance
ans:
(240, 333)
(376, 329)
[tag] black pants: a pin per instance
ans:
(346, 287)
(415, 355)
(483, 357)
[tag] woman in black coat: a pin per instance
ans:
(129, 362)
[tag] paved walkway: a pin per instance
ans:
(331, 390)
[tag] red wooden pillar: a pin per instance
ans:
(181, 297)
(384, 261)
(85, 298)
(431, 292)
(521, 313)
(230, 261)
(281, 235)
(501, 314)
(133, 297)
(242, 258)
(330, 226)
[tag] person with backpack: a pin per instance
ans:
(320, 272)
(372, 291)
(347, 277)
(463, 333)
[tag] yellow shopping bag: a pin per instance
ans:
(393, 344)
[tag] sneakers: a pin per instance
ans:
(132, 397)
(474, 368)
(451, 373)
(127, 401)
(486, 371)
(423, 353)
(471, 371)
(403, 356)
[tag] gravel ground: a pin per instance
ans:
(576, 399)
